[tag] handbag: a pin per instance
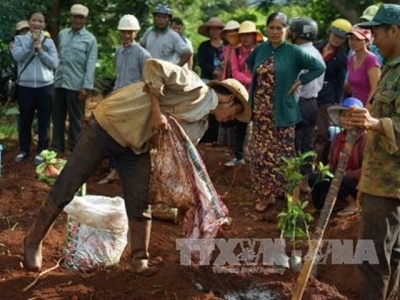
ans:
(13, 86)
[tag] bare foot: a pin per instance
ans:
(262, 205)
(111, 177)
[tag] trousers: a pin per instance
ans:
(94, 144)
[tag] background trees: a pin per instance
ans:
(104, 16)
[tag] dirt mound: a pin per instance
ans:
(20, 197)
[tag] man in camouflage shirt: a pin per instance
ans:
(379, 185)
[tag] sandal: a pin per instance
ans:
(156, 261)
(345, 212)
(262, 205)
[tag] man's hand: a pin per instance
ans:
(160, 121)
(217, 75)
(83, 94)
(361, 118)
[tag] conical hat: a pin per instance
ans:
(246, 27)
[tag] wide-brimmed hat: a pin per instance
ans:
(360, 33)
(240, 93)
(21, 25)
(79, 9)
(335, 110)
(388, 14)
(246, 27)
(231, 25)
(213, 22)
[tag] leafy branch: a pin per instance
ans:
(294, 222)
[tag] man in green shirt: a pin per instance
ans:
(74, 77)
(379, 186)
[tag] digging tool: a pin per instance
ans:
(315, 242)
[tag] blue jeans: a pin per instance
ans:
(31, 101)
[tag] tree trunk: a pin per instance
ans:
(353, 12)
(349, 12)
(55, 12)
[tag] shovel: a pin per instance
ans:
(316, 241)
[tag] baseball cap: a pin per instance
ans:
(335, 110)
(360, 33)
(388, 14)
(21, 25)
(79, 9)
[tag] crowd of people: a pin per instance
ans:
(291, 87)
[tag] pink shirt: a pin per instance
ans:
(358, 78)
(240, 70)
(227, 71)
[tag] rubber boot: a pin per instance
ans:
(139, 238)
(33, 240)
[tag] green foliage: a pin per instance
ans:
(8, 122)
(294, 222)
(8, 131)
(250, 14)
(106, 63)
(324, 13)
(291, 169)
(11, 111)
(323, 172)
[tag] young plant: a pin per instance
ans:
(294, 222)
(323, 173)
(291, 169)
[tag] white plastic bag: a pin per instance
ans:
(97, 232)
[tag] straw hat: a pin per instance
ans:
(246, 27)
(21, 25)
(213, 22)
(240, 93)
(231, 25)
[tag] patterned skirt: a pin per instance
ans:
(268, 143)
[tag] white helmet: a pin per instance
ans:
(128, 22)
